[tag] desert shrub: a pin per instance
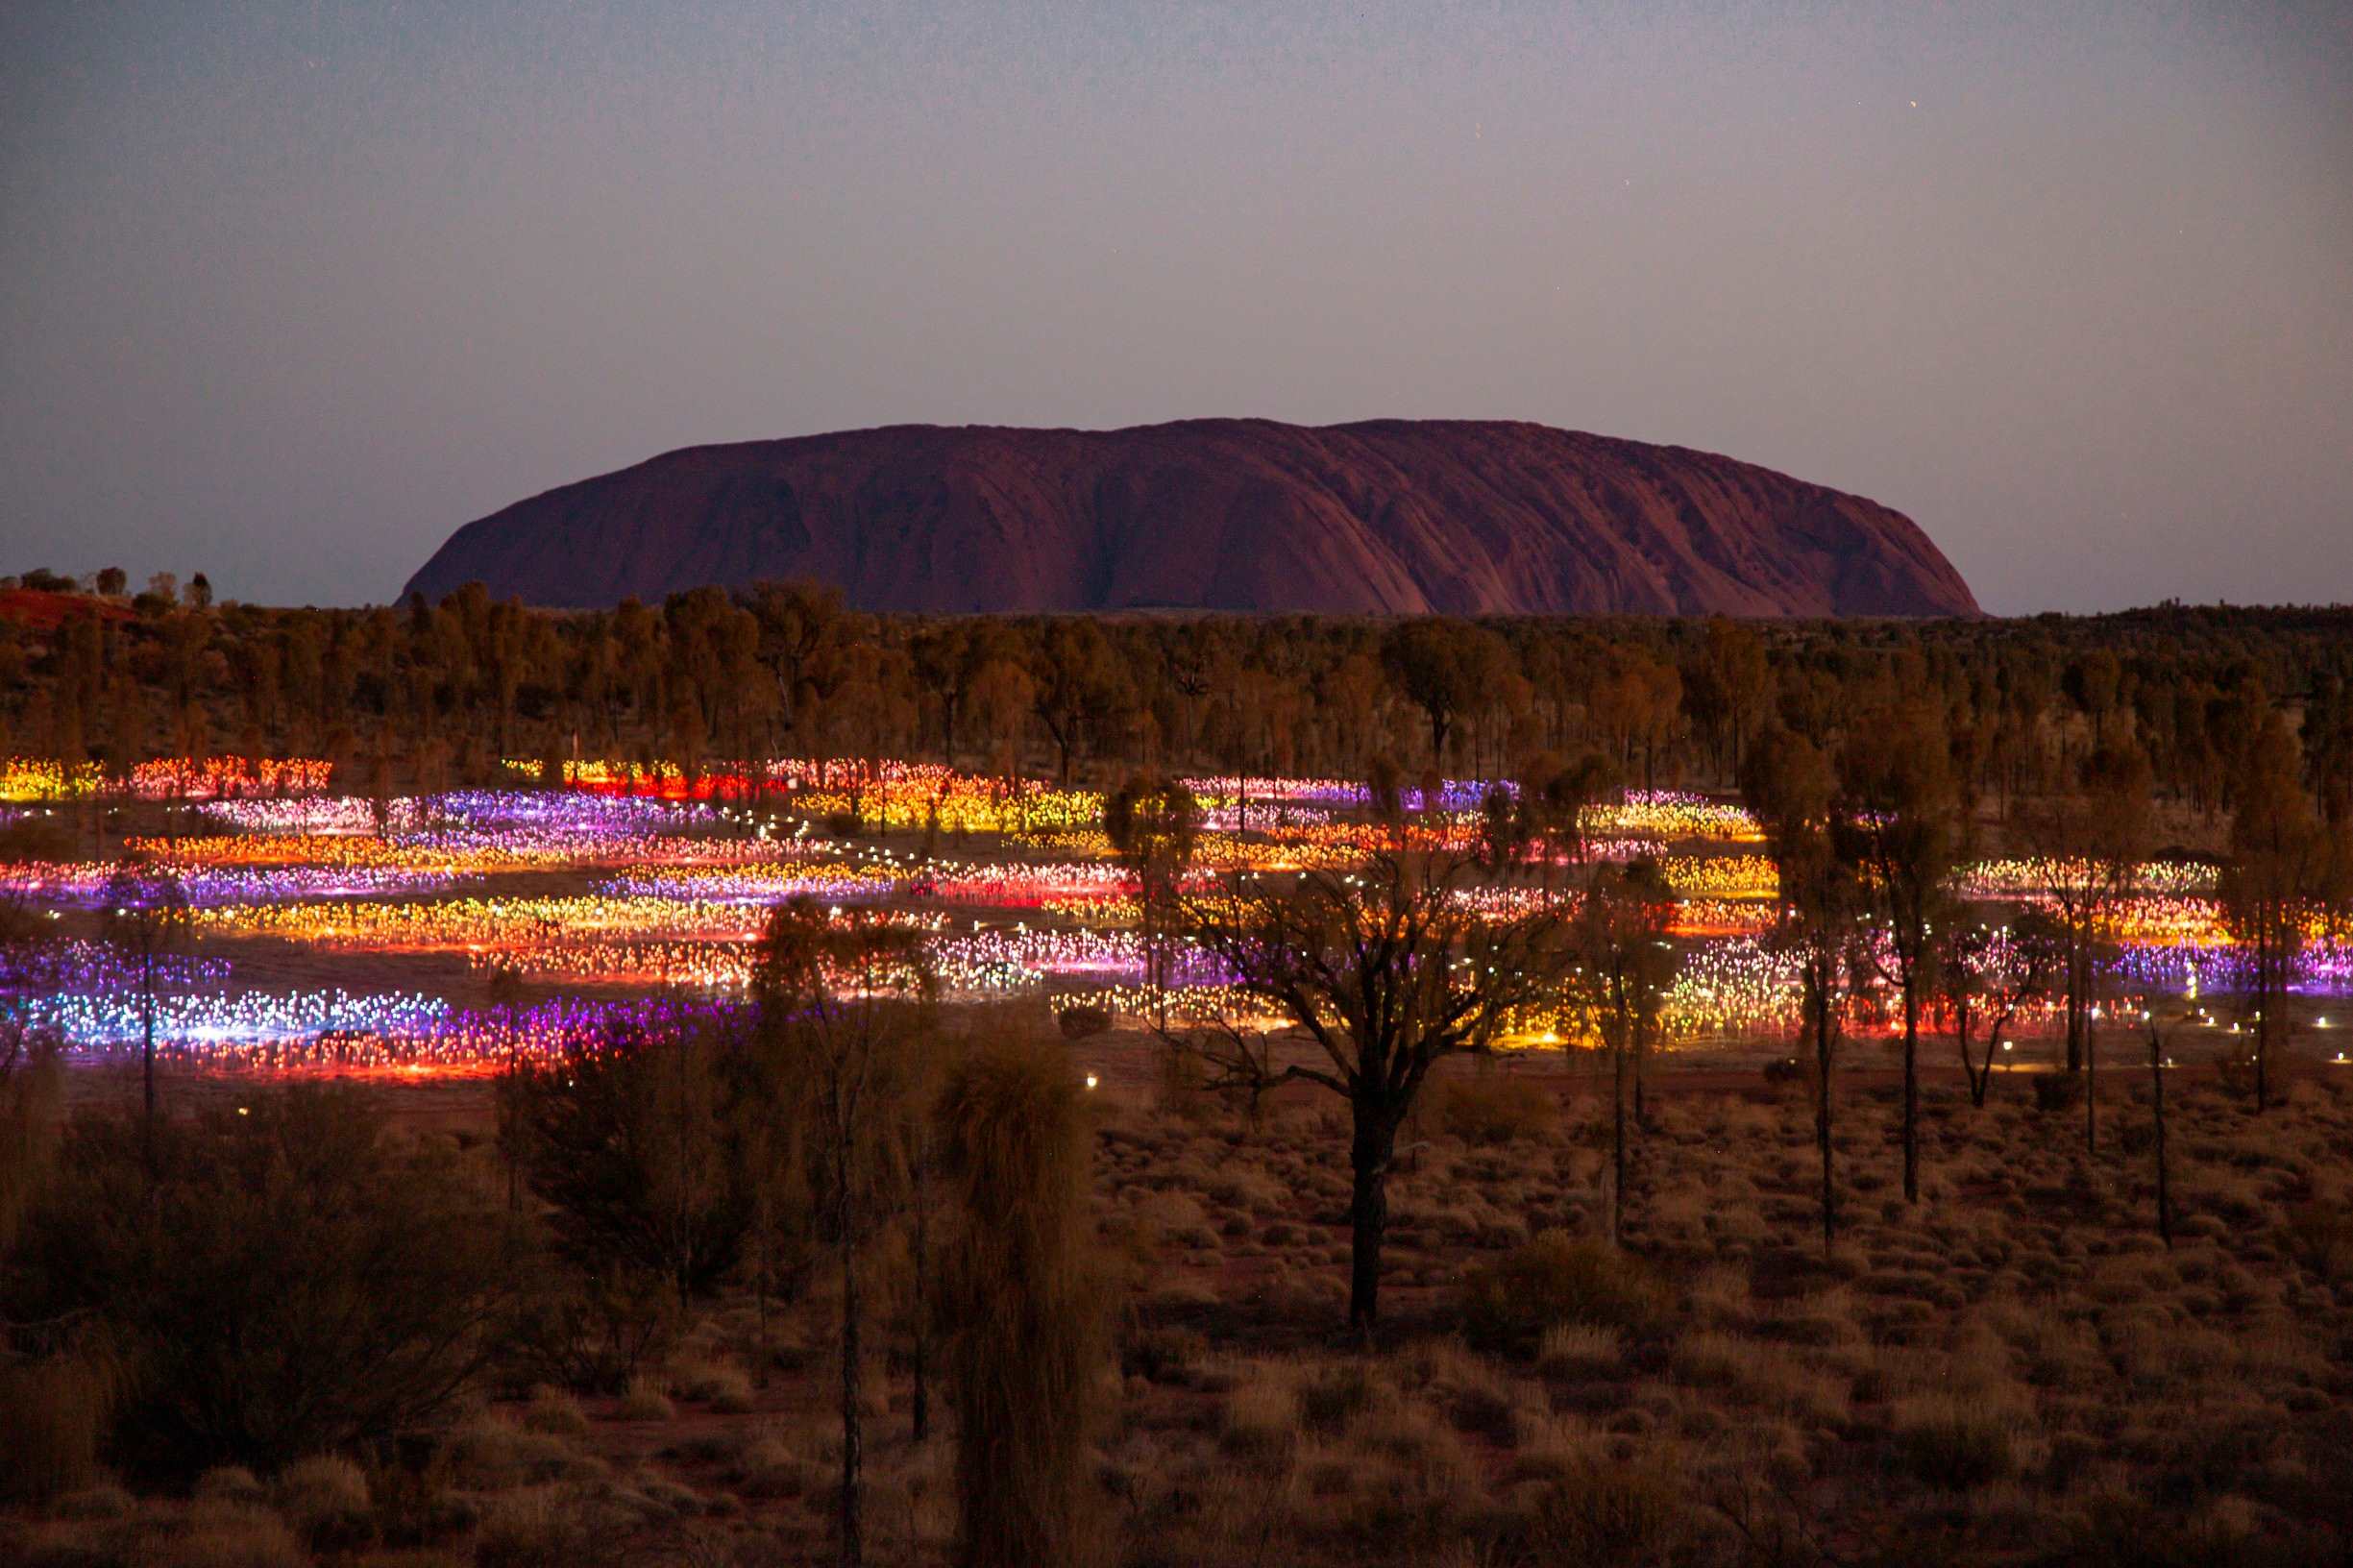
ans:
(2056, 1091)
(1605, 1511)
(538, 1529)
(593, 1333)
(648, 1146)
(1332, 1397)
(1496, 1110)
(230, 1483)
(224, 1535)
(1025, 1300)
(2117, 1531)
(324, 1498)
(1570, 1350)
(1160, 1355)
(2319, 1236)
(1261, 1421)
(2233, 1073)
(642, 1400)
(1505, 1305)
(767, 1468)
(57, 1410)
(554, 1412)
(1944, 1441)
(490, 1453)
(30, 1084)
(293, 1282)
(103, 1501)
(723, 1385)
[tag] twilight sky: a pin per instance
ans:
(289, 292)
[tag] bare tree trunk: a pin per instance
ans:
(2091, 1088)
(853, 1438)
(147, 1061)
(1821, 1118)
(2264, 964)
(1369, 1215)
(1911, 1091)
(1617, 1176)
(922, 1357)
(2156, 1084)
(1642, 1108)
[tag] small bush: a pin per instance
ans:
(1496, 1110)
(726, 1389)
(644, 1401)
(1944, 1441)
(1331, 1398)
(1580, 1350)
(224, 1535)
(1604, 1511)
(297, 1281)
(594, 1335)
(1508, 1303)
(1081, 1022)
(57, 1410)
(1261, 1421)
(1160, 1355)
(769, 1468)
(230, 1483)
(326, 1499)
(2320, 1237)
(532, 1530)
(554, 1412)
(2056, 1091)
(103, 1501)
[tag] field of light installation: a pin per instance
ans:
(446, 935)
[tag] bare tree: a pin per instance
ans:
(2117, 785)
(2278, 860)
(2091, 833)
(146, 917)
(1153, 823)
(1623, 970)
(1388, 972)
(1899, 825)
(1993, 972)
(2156, 1090)
(1790, 786)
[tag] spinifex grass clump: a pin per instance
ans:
(1024, 1301)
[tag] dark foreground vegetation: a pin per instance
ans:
(1107, 1333)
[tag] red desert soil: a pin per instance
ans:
(45, 612)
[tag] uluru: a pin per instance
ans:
(1384, 517)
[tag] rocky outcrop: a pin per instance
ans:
(1393, 516)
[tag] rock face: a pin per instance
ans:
(1389, 517)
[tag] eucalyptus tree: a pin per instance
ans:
(2277, 870)
(1388, 971)
(1792, 786)
(1623, 967)
(1899, 823)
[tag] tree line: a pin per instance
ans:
(436, 694)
